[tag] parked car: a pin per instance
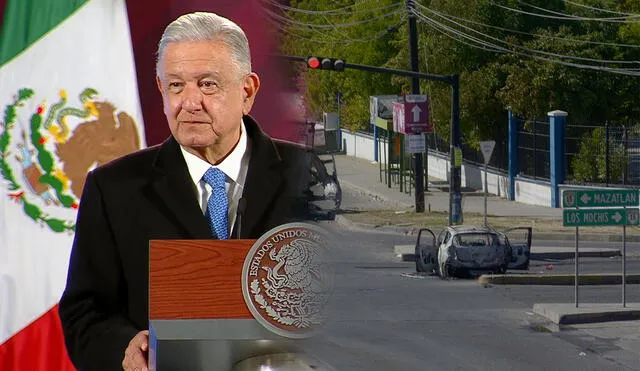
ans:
(472, 249)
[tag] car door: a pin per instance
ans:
(518, 239)
(426, 251)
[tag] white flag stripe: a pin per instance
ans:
(90, 49)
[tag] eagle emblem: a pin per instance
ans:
(286, 280)
(46, 152)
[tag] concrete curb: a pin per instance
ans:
(548, 236)
(342, 220)
(557, 279)
(561, 255)
(406, 253)
(568, 314)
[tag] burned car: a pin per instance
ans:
(472, 249)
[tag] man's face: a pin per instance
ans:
(204, 95)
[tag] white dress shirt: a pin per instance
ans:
(234, 166)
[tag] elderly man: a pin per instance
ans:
(189, 187)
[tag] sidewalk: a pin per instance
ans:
(364, 177)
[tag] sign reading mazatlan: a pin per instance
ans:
(601, 198)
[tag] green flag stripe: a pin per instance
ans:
(25, 21)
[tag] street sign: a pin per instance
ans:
(487, 149)
(415, 143)
(411, 116)
(599, 217)
(600, 198)
(380, 106)
(398, 118)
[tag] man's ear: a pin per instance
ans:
(159, 83)
(251, 85)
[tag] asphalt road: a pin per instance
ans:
(381, 319)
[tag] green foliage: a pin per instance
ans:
(356, 44)
(490, 81)
(590, 163)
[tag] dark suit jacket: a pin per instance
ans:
(149, 195)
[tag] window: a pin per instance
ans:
(475, 239)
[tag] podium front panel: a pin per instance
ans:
(197, 279)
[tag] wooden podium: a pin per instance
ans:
(198, 318)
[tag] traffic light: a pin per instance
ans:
(322, 63)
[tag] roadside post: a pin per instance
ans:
(487, 150)
(601, 207)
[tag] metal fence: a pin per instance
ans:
(533, 148)
(603, 154)
(595, 154)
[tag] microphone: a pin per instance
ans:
(242, 204)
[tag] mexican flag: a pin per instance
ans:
(68, 102)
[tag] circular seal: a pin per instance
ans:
(285, 280)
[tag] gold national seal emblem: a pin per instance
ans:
(285, 280)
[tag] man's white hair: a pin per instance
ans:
(203, 26)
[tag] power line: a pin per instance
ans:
(568, 17)
(533, 50)
(496, 48)
(334, 40)
(597, 9)
(566, 39)
(325, 26)
(332, 12)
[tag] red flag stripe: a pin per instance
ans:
(39, 346)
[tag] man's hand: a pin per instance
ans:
(135, 356)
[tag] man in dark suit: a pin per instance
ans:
(170, 192)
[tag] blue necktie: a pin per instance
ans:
(218, 205)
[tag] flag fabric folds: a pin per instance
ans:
(69, 102)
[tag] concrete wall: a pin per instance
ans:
(533, 192)
(438, 166)
(473, 177)
(527, 191)
(359, 145)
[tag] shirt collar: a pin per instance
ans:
(231, 165)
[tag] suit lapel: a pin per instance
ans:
(264, 177)
(172, 185)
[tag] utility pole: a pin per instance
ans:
(455, 156)
(415, 89)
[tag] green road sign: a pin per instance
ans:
(600, 198)
(596, 217)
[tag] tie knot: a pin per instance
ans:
(215, 178)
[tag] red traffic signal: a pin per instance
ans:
(313, 62)
(321, 63)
